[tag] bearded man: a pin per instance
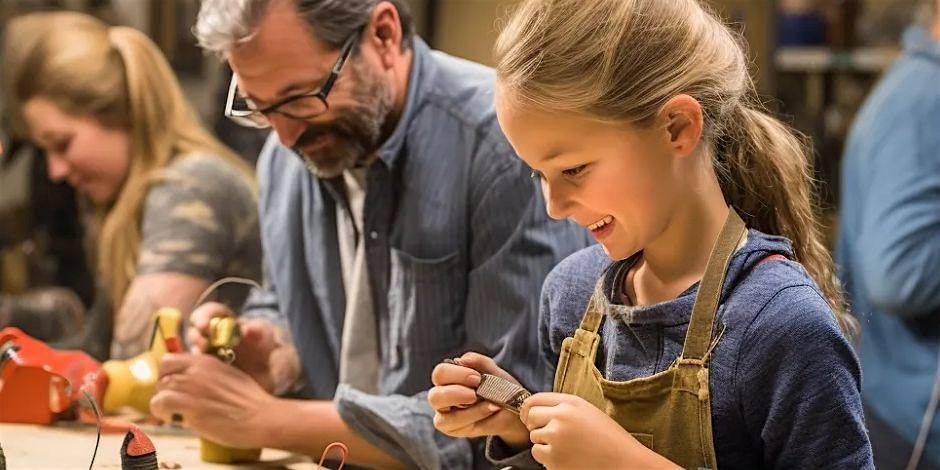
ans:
(398, 228)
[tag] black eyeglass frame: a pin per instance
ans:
(258, 117)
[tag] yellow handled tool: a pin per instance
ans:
(224, 335)
(131, 382)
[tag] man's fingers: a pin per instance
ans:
(259, 341)
(175, 363)
(200, 317)
(175, 382)
(450, 421)
(198, 329)
(166, 403)
(443, 397)
(196, 340)
(260, 334)
(453, 374)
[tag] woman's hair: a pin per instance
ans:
(117, 76)
(18, 39)
(620, 61)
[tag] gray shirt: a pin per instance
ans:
(359, 354)
(188, 226)
(457, 244)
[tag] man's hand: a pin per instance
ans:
(460, 414)
(216, 400)
(264, 352)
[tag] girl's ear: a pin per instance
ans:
(683, 122)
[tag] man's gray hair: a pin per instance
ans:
(224, 23)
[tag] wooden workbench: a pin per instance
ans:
(70, 445)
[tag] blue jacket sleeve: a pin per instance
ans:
(900, 230)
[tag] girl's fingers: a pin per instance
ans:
(539, 416)
(443, 397)
(542, 435)
(451, 421)
(546, 399)
(542, 453)
(453, 374)
(484, 364)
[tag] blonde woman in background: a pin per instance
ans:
(174, 209)
(46, 282)
(683, 339)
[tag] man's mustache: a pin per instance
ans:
(314, 132)
(310, 136)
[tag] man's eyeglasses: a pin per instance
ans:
(301, 107)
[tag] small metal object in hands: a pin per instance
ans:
(224, 335)
(498, 390)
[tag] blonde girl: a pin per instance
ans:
(706, 328)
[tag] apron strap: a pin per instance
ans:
(594, 314)
(699, 337)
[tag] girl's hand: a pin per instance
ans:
(568, 432)
(459, 413)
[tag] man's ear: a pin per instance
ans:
(385, 33)
(683, 122)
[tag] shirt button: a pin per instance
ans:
(374, 235)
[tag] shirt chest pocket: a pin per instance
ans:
(426, 301)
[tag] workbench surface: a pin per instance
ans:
(70, 445)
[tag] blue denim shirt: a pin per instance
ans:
(457, 244)
(889, 241)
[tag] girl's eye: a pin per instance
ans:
(574, 171)
(537, 175)
(60, 147)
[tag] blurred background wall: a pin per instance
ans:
(814, 61)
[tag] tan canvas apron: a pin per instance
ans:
(669, 412)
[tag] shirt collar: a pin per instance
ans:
(917, 40)
(390, 150)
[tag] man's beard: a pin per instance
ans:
(355, 130)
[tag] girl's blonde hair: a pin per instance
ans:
(620, 61)
(117, 76)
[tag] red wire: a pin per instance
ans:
(343, 450)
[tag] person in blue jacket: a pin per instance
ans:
(889, 251)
